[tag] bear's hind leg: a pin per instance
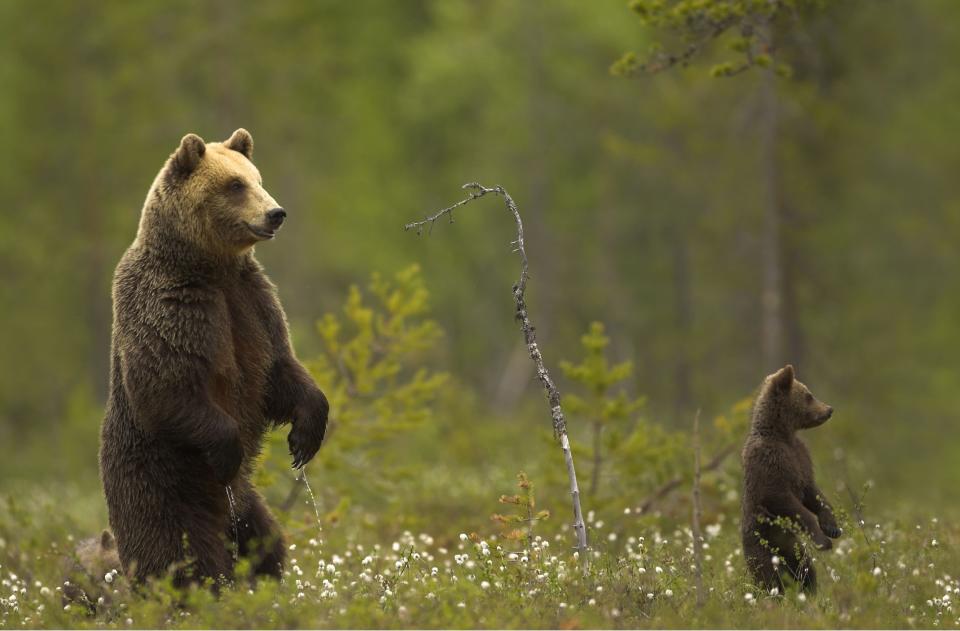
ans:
(260, 538)
(802, 571)
(207, 554)
(760, 563)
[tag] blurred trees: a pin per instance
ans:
(645, 199)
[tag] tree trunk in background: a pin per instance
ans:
(771, 256)
(683, 309)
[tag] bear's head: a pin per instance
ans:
(212, 195)
(789, 403)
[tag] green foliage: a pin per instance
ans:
(889, 572)
(372, 371)
(617, 438)
(747, 26)
(520, 524)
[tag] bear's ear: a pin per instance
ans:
(188, 155)
(106, 540)
(783, 378)
(241, 141)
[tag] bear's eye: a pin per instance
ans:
(236, 185)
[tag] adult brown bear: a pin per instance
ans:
(201, 369)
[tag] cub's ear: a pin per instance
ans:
(186, 158)
(241, 141)
(783, 378)
(106, 540)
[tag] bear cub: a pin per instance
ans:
(778, 483)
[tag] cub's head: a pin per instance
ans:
(212, 194)
(797, 406)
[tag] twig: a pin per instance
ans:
(697, 539)
(671, 485)
(553, 394)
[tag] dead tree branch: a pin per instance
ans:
(673, 484)
(477, 191)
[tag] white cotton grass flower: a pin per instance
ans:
(748, 596)
(463, 536)
(877, 571)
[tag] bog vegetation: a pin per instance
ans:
(712, 189)
(413, 521)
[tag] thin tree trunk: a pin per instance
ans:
(683, 308)
(597, 459)
(772, 326)
(697, 539)
(529, 335)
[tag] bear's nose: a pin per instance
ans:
(276, 216)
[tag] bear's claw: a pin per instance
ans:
(832, 531)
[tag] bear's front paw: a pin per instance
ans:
(823, 543)
(309, 427)
(225, 456)
(831, 530)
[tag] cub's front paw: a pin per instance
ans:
(225, 456)
(831, 530)
(309, 427)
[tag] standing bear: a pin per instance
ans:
(201, 368)
(778, 483)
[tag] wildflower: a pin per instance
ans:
(934, 543)
(775, 591)
(592, 602)
(293, 546)
(366, 560)
(314, 543)
(484, 585)
(463, 537)
(748, 596)
(461, 605)
(612, 536)
(512, 556)
(642, 570)
(877, 571)
(44, 591)
(108, 577)
(599, 524)
(658, 570)
(802, 597)
(668, 593)
(649, 595)
(431, 596)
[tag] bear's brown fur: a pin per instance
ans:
(778, 482)
(201, 369)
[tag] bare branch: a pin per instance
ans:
(477, 191)
(671, 485)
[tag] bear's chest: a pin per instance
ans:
(244, 352)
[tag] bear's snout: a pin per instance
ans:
(275, 218)
(826, 415)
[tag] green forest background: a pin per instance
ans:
(678, 209)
